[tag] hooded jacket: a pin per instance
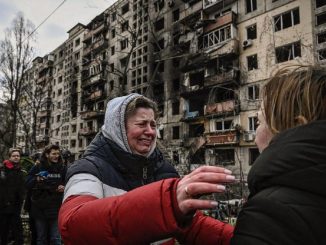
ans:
(115, 197)
(287, 203)
(11, 187)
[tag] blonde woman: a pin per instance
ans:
(287, 202)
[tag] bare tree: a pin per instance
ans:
(16, 53)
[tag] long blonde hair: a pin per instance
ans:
(293, 96)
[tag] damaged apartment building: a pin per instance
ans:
(203, 61)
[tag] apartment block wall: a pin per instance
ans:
(203, 62)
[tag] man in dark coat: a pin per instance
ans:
(45, 182)
(11, 198)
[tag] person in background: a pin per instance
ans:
(287, 182)
(45, 182)
(36, 158)
(11, 198)
(123, 191)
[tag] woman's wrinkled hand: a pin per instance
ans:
(203, 180)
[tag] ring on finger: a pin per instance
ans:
(186, 191)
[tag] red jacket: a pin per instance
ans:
(141, 216)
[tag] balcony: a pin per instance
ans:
(87, 131)
(227, 47)
(86, 115)
(95, 96)
(42, 138)
(87, 81)
(211, 6)
(222, 108)
(222, 77)
(100, 45)
(43, 113)
(189, 15)
(222, 138)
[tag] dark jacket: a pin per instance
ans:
(45, 200)
(11, 187)
(120, 169)
(287, 203)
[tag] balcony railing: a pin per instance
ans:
(91, 114)
(41, 138)
(90, 80)
(222, 77)
(222, 138)
(95, 95)
(221, 108)
(87, 131)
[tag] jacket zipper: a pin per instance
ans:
(144, 175)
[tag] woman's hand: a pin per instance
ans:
(203, 180)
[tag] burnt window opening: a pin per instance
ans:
(111, 85)
(160, 67)
(113, 16)
(175, 132)
(223, 125)
(253, 155)
(321, 19)
(196, 130)
(252, 32)
(176, 84)
(112, 50)
(176, 15)
(196, 78)
(252, 62)
(176, 62)
(123, 62)
(322, 54)
(197, 105)
(175, 157)
(320, 3)
(113, 33)
(125, 8)
(176, 108)
(159, 5)
(123, 44)
(252, 126)
(321, 37)
(159, 25)
(124, 26)
(253, 92)
(224, 157)
(288, 52)
(287, 19)
(159, 45)
(251, 5)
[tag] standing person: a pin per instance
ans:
(36, 157)
(123, 191)
(287, 202)
(11, 198)
(45, 182)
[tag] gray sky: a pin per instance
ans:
(54, 31)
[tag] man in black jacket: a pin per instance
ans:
(11, 198)
(45, 181)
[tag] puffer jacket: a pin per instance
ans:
(118, 205)
(287, 203)
(113, 196)
(11, 187)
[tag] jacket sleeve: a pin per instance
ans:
(141, 216)
(268, 221)
(31, 177)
